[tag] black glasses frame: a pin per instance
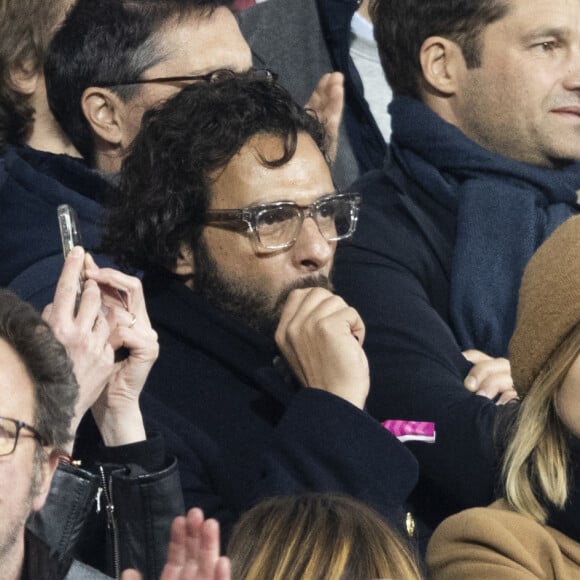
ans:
(247, 218)
(215, 76)
(19, 425)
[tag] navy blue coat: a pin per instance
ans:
(397, 272)
(32, 184)
(397, 277)
(242, 431)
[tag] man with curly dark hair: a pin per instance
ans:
(227, 204)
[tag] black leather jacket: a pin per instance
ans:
(40, 564)
(115, 515)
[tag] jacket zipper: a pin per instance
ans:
(111, 520)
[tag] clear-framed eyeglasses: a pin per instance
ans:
(276, 226)
(215, 76)
(11, 430)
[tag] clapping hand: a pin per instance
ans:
(193, 551)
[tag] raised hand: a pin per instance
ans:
(193, 551)
(327, 101)
(321, 338)
(85, 335)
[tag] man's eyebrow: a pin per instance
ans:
(560, 32)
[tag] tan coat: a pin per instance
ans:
(496, 543)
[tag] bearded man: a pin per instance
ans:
(228, 206)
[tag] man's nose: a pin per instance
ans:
(572, 78)
(311, 250)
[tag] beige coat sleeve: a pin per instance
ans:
(494, 542)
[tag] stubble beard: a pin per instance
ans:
(12, 537)
(245, 300)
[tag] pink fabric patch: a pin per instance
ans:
(411, 430)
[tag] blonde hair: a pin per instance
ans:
(317, 536)
(535, 464)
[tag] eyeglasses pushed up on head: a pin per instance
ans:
(275, 226)
(11, 430)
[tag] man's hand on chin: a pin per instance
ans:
(321, 338)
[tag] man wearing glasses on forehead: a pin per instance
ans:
(227, 204)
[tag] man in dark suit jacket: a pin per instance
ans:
(228, 206)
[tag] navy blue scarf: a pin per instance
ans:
(505, 209)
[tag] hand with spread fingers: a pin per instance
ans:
(321, 338)
(490, 377)
(327, 101)
(193, 551)
(117, 411)
(84, 334)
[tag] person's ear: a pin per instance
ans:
(443, 65)
(24, 76)
(185, 264)
(102, 109)
(46, 472)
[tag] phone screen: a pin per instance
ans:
(69, 228)
(70, 236)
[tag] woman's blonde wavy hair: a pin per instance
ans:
(535, 466)
(318, 537)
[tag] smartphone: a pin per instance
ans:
(70, 235)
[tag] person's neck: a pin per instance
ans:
(108, 162)
(51, 140)
(363, 10)
(47, 135)
(12, 560)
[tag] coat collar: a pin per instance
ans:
(176, 309)
(41, 169)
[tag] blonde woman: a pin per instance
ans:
(317, 536)
(534, 530)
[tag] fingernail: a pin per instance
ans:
(77, 252)
(470, 383)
